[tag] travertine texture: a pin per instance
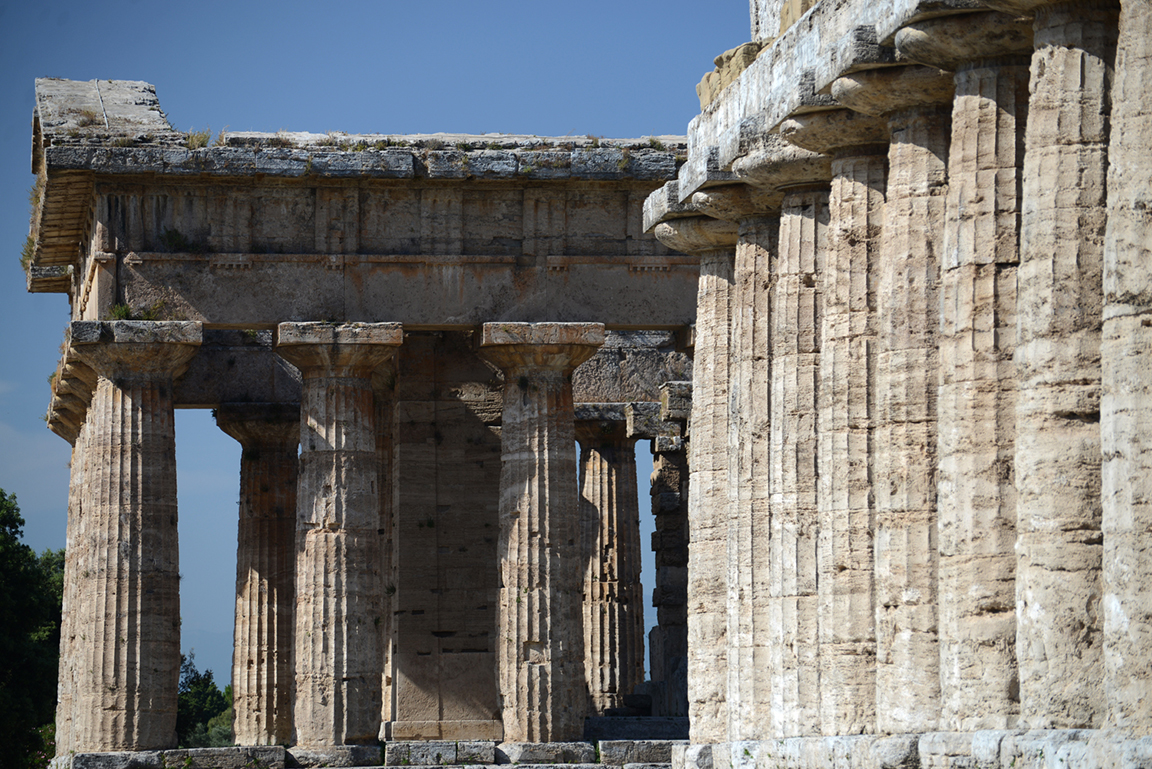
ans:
(846, 409)
(796, 312)
(1060, 301)
(126, 598)
(907, 650)
(540, 643)
(262, 668)
(709, 505)
(1126, 407)
(339, 590)
(613, 606)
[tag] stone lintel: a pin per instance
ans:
(234, 366)
(884, 91)
(359, 346)
(676, 401)
(950, 42)
(644, 422)
(599, 423)
(257, 424)
(601, 412)
(698, 234)
(837, 132)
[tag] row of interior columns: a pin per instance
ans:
(308, 656)
(945, 551)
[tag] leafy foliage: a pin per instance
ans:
(31, 589)
(203, 712)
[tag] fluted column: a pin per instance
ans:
(540, 644)
(126, 600)
(262, 669)
(709, 508)
(858, 145)
(1126, 407)
(749, 370)
(1060, 298)
(976, 420)
(384, 391)
(338, 584)
(917, 104)
(613, 595)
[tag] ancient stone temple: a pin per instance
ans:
(903, 508)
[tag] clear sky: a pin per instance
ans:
(613, 68)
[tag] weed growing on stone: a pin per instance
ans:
(433, 144)
(464, 146)
(197, 139)
(655, 143)
(27, 252)
(88, 117)
(124, 141)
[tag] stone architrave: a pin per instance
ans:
(262, 665)
(125, 577)
(916, 101)
(1126, 404)
(540, 644)
(709, 509)
(339, 590)
(976, 407)
(613, 594)
(846, 411)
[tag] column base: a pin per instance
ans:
(992, 749)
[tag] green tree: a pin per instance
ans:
(201, 708)
(31, 587)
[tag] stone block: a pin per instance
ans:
(339, 756)
(545, 753)
(194, 758)
(676, 401)
(622, 752)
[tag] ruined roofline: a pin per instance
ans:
(82, 129)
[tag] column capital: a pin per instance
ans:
(260, 424)
(558, 346)
(599, 424)
(359, 347)
(837, 132)
(698, 234)
(135, 349)
(881, 92)
(773, 163)
(736, 202)
(1032, 7)
(950, 42)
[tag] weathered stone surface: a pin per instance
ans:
(546, 753)
(335, 755)
(122, 691)
(949, 42)
(796, 312)
(194, 758)
(339, 590)
(540, 643)
(1126, 396)
(437, 752)
(262, 665)
(613, 607)
(1060, 300)
(622, 752)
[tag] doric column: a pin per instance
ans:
(709, 509)
(976, 422)
(262, 669)
(338, 584)
(858, 145)
(792, 311)
(127, 592)
(384, 397)
(1126, 407)
(1060, 300)
(664, 425)
(917, 104)
(613, 595)
(756, 213)
(540, 644)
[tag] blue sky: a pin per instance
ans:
(617, 69)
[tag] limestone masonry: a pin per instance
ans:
(903, 506)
